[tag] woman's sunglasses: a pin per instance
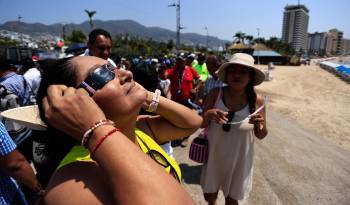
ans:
(226, 127)
(161, 160)
(98, 78)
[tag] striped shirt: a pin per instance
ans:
(212, 83)
(8, 188)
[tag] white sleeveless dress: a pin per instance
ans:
(230, 163)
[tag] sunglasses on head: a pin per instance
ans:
(98, 78)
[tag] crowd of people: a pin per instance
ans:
(110, 126)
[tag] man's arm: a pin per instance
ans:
(196, 78)
(15, 165)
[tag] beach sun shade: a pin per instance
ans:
(343, 68)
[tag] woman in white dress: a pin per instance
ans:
(233, 115)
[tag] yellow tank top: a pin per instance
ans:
(145, 142)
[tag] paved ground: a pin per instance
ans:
(292, 166)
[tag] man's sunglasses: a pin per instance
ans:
(98, 78)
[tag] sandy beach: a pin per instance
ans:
(305, 157)
(312, 97)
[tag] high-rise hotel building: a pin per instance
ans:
(295, 24)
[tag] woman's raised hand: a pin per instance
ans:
(216, 115)
(71, 110)
(257, 120)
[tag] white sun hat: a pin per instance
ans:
(245, 60)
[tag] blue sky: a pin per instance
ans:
(223, 18)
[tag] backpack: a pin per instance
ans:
(9, 100)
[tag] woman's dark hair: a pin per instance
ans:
(55, 72)
(146, 75)
(57, 144)
(251, 94)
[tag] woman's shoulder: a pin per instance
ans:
(215, 91)
(259, 100)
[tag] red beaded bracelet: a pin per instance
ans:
(102, 140)
(87, 134)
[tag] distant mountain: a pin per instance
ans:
(115, 27)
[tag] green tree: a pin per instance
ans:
(249, 38)
(90, 15)
(239, 37)
(260, 40)
(8, 42)
(279, 46)
(170, 45)
(77, 36)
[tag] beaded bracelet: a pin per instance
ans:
(102, 140)
(87, 134)
(155, 101)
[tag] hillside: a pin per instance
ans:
(115, 27)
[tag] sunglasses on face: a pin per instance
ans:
(98, 78)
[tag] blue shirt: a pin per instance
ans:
(17, 85)
(8, 188)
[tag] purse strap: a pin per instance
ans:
(205, 131)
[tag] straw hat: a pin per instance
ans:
(245, 60)
(27, 116)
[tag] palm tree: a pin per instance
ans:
(90, 14)
(239, 37)
(249, 38)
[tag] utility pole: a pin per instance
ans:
(257, 46)
(19, 18)
(20, 34)
(207, 40)
(178, 25)
(64, 24)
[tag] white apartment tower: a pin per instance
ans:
(317, 41)
(295, 24)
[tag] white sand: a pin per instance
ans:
(313, 97)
